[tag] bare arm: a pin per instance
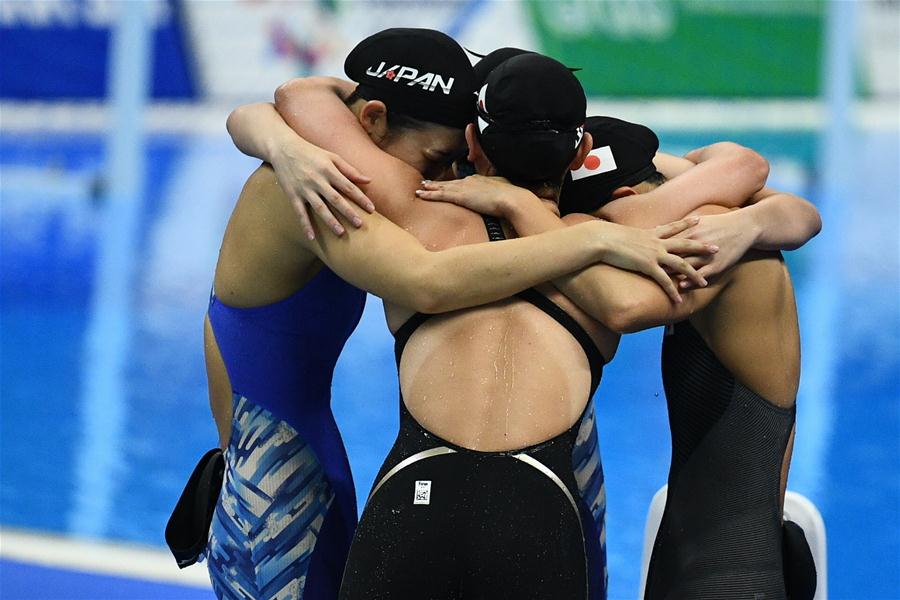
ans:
(782, 221)
(314, 108)
(622, 300)
(308, 174)
(724, 173)
(772, 221)
(386, 260)
(626, 301)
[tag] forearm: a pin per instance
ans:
(725, 174)
(610, 295)
(476, 274)
(258, 130)
(389, 262)
(781, 221)
(626, 301)
(315, 109)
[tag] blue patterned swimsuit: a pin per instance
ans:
(287, 511)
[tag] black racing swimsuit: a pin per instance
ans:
(446, 522)
(720, 536)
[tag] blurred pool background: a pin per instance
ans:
(103, 406)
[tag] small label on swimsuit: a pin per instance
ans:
(423, 493)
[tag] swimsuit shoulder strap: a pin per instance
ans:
(532, 296)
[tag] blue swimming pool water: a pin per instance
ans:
(116, 475)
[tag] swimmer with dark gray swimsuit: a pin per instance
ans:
(730, 371)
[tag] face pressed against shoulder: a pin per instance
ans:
(428, 148)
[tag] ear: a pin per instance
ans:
(473, 143)
(476, 154)
(623, 192)
(584, 148)
(373, 118)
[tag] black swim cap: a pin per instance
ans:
(492, 60)
(420, 73)
(531, 112)
(622, 155)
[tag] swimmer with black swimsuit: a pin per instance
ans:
(279, 318)
(730, 371)
(502, 380)
(377, 256)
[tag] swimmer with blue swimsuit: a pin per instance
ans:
(284, 305)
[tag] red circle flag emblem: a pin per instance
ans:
(600, 160)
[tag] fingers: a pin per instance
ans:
(430, 185)
(711, 270)
(698, 261)
(666, 231)
(351, 172)
(339, 203)
(437, 192)
(686, 247)
(324, 213)
(679, 265)
(437, 195)
(300, 208)
(666, 283)
(342, 180)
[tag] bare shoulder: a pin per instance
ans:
(262, 258)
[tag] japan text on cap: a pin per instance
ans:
(531, 112)
(622, 156)
(420, 73)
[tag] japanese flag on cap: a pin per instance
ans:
(600, 160)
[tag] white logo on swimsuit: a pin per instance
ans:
(428, 81)
(423, 493)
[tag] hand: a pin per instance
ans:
(310, 175)
(731, 232)
(485, 195)
(656, 253)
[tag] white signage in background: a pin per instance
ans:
(879, 41)
(244, 50)
(99, 14)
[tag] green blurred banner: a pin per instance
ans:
(752, 48)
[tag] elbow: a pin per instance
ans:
(234, 119)
(815, 222)
(286, 90)
(431, 293)
(430, 302)
(626, 316)
(807, 229)
(752, 164)
(293, 88)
